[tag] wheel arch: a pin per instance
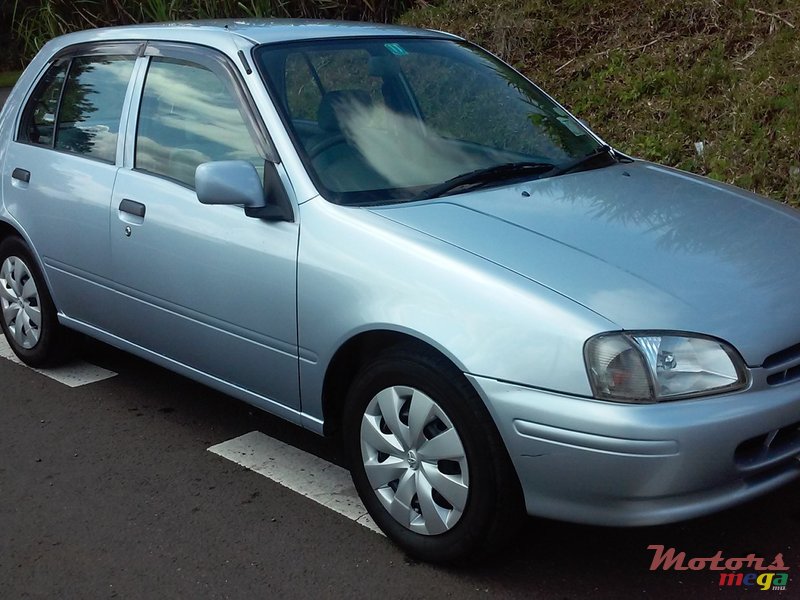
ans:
(8, 230)
(351, 356)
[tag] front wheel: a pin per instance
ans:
(27, 314)
(426, 458)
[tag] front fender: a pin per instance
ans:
(359, 272)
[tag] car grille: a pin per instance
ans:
(783, 366)
(770, 449)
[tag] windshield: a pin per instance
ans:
(381, 120)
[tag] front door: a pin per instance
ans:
(204, 286)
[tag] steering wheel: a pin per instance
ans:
(323, 145)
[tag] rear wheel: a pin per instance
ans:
(426, 458)
(27, 314)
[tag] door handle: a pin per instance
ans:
(21, 175)
(137, 209)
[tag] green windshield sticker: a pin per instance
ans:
(572, 125)
(395, 49)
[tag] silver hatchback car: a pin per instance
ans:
(389, 235)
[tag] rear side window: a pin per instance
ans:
(39, 117)
(91, 107)
(189, 116)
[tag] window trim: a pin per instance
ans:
(132, 48)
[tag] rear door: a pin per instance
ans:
(205, 286)
(64, 161)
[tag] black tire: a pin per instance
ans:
(493, 499)
(50, 346)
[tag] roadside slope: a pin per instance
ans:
(656, 77)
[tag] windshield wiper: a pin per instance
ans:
(486, 176)
(584, 162)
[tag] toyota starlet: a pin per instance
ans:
(390, 236)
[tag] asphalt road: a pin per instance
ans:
(108, 490)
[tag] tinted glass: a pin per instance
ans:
(489, 110)
(303, 93)
(91, 108)
(39, 117)
(382, 120)
(189, 116)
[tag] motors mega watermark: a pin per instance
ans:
(750, 571)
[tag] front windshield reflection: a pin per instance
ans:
(380, 119)
(402, 152)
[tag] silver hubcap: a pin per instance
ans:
(19, 301)
(414, 460)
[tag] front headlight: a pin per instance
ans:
(653, 366)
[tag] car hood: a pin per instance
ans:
(644, 246)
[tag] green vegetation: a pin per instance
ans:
(654, 77)
(9, 78)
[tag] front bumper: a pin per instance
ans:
(604, 463)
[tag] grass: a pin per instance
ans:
(9, 78)
(656, 77)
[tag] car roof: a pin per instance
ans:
(256, 31)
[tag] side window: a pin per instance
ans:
(39, 116)
(91, 108)
(189, 116)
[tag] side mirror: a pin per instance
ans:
(229, 182)
(237, 182)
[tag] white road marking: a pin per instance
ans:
(306, 474)
(73, 374)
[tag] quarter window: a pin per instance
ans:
(91, 108)
(39, 117)
(189, 116)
